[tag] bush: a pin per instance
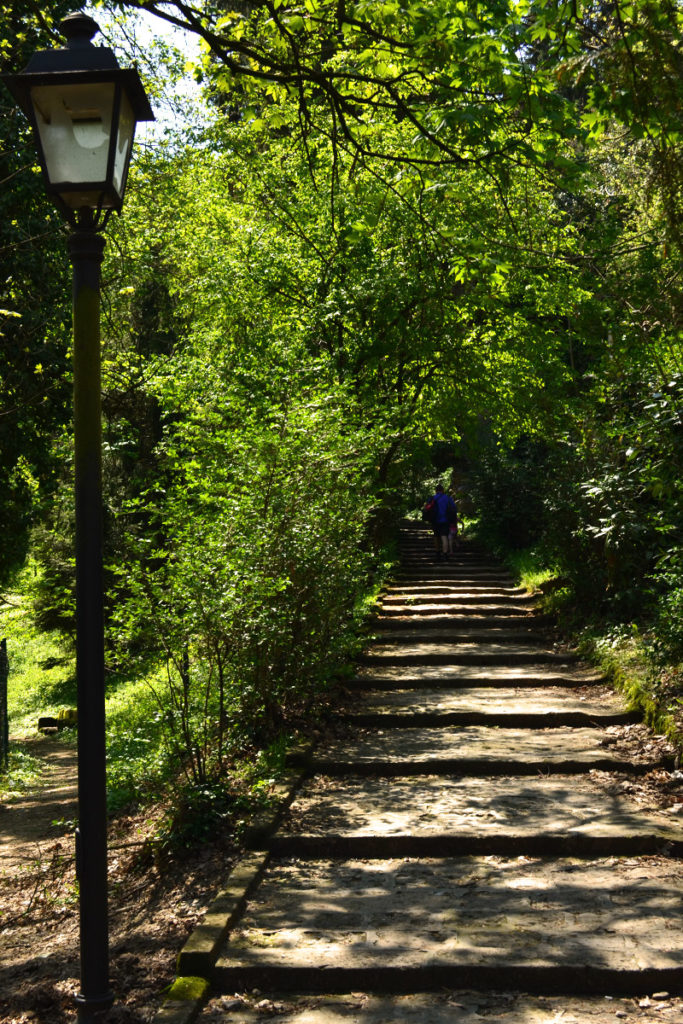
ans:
(606, 511)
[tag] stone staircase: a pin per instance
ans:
(465, 827)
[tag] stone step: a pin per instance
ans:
(564, 925)
(428, 558)
(429, 566)
(458, 604)
(467, 609)
(425, 533)
(445, 573)
(454, 598)
(460, 559)
(444, 1006)
(481, 750)
(437, 593)
(464, 653)
(466, 565)
(461, 555)
(430, 588)
(453, 559)
(425, 543)
(421, 537)
(425, 538)
(389, 677)
(437, 816)
(512, 706)
(456, 634)
(465, 823)
(490, 719)
(459, 623)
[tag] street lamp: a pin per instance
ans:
(83, 108)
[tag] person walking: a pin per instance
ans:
(445, 513)
(429, 516)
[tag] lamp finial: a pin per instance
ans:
(78, 28)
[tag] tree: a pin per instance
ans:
(35, 306)
(457, 75)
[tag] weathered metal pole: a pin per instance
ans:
(86, 249)
(4, 719)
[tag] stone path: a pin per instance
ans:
(459, 850)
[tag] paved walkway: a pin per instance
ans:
(460, 850)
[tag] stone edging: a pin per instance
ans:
(200, 952)
(196, 959)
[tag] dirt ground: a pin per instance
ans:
(154, 902)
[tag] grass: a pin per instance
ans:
(23, 774)
(42, 677)
(42, 682)
(138, 762)
(529, 569)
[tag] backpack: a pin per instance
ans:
(429, 511)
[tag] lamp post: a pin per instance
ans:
(83, 109)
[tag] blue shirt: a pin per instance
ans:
(443, 504)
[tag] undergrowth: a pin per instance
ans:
(148, 730)
(627, 654)
(42, 678)
(529, 569)
(24, 772)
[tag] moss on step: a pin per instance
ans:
(188, 988)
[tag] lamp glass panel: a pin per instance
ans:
(124, 143)
(74, 122)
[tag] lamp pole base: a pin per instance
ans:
(91, 1008)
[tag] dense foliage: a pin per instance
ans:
(403, 224)
(35, 308)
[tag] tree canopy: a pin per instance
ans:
(404, 223)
